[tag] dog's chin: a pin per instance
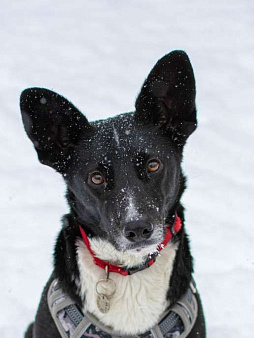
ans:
(142, 251)
(124, 254)
(139, 247)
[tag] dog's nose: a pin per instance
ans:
(137, 231)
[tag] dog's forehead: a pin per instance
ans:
(118, 136)
(115, 130)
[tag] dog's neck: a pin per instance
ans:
(142, 297)
(128, 262)
(145, 293)
(107, 252)
(77, 273)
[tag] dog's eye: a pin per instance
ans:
(153, 166)
(97, 178)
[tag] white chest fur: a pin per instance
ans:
(139, 299)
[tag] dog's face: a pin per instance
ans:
(123, 174)
(123, 181)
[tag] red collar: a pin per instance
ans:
(150, 259)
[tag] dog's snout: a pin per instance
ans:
(137, 231)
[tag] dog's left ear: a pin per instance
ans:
(53, 124)
(167, 98)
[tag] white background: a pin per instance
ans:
(97, 53)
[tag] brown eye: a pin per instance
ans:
(97, 178)
(153, 166)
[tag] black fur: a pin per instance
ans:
(165, 116)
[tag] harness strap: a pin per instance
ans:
(83, 325)
(72, 323)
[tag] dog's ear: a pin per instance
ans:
(53, 124)
(167, 98)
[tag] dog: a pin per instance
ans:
(122, 260)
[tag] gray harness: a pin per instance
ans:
(177, 321)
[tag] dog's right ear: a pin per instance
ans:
(167, 98)
(53, 124)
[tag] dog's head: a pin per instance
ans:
(123, 174)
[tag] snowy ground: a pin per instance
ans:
(97, 53)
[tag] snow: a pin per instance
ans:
(97, 54)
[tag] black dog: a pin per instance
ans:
(124, 185)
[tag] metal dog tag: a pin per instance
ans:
(103, 286)
(103, 303)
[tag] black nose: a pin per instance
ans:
(137, 231)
